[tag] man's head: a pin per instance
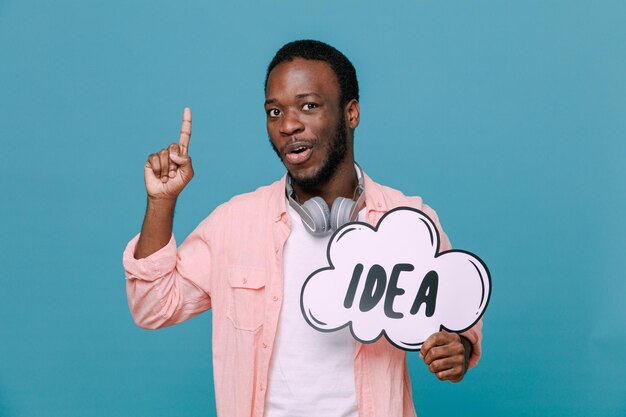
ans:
(319, 51)
(312, 110)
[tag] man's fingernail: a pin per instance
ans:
(172, 174)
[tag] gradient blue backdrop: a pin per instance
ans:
(507, 117)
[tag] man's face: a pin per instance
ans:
(305, 123)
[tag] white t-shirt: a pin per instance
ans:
(311, 373)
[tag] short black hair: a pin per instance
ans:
(319, 51)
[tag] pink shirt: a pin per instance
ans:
(233, 263)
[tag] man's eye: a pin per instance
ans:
(309, 106)
(273, 113)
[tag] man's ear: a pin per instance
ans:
(353, 113)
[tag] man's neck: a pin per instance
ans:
(342, 184)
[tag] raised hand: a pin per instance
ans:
(168, 171)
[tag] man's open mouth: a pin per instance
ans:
(299, 149)
(298, 153)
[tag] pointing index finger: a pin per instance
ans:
(185, 132)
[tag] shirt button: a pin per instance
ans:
(379, 204)
(261, 388)
(245, 280)
(275, 298)
(264, 345)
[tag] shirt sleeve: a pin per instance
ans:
(171, 285)
(474, 334)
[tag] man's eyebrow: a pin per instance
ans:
(304, 95)
(298, 96)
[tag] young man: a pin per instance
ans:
(248, 259)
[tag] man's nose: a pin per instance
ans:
(291, 124)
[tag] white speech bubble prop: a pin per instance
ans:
(392, 280)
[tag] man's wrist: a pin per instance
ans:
(468, 348)
(161, 203)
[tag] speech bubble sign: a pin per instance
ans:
(391, 280)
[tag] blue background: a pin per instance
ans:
(507, 117)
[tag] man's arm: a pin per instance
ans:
(166, 173)
(164, 285)
(450, 355)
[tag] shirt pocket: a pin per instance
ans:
(246, 301)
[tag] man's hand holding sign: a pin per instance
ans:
(392, 281)
(166, 173)
(447, 355)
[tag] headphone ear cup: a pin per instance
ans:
(340, 212)
(320, 214)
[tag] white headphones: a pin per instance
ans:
(316, 216)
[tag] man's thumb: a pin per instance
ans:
(180, 160)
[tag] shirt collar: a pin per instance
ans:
(280, 201)
(374, 196)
